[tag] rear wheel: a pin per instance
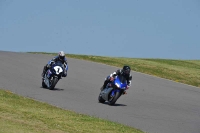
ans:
(113, 99)
(53, 83)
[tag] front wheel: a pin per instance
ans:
(53, 83)
(114, 98)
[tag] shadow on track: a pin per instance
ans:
(116, 104)
(55, 89)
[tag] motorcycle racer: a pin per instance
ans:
(125, 72)
(60, 57)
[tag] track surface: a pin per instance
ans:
(152, 104)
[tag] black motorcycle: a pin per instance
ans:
(52, 75)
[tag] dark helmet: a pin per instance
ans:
(61, 55)
(126, 70)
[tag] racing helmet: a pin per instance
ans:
(126, 70)
(61, 55)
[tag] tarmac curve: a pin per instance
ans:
(154, 105)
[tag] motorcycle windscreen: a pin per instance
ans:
(121, 81)
(59, 63)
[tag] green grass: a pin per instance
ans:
(23, 115)
(183, 71)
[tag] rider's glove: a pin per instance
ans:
(49, 65)
(52, 62)
(124, 93)
(111, 78)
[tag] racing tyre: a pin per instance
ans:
(53, 83)
(114, 99)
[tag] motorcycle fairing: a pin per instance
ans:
(105, 93)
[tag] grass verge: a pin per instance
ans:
(183, 71)
(23, 115)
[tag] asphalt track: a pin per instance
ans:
(152, 104)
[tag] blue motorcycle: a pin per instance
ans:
(53, 75)
(113, 90)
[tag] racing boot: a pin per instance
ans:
(101, 88)
(44, 71)
(43, 74)
(104, 85)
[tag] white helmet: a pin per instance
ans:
(61, 55)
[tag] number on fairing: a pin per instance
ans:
(58, 69)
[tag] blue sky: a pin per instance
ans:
(129, 28)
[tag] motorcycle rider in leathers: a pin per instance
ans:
(125, 71)
(60, 57)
